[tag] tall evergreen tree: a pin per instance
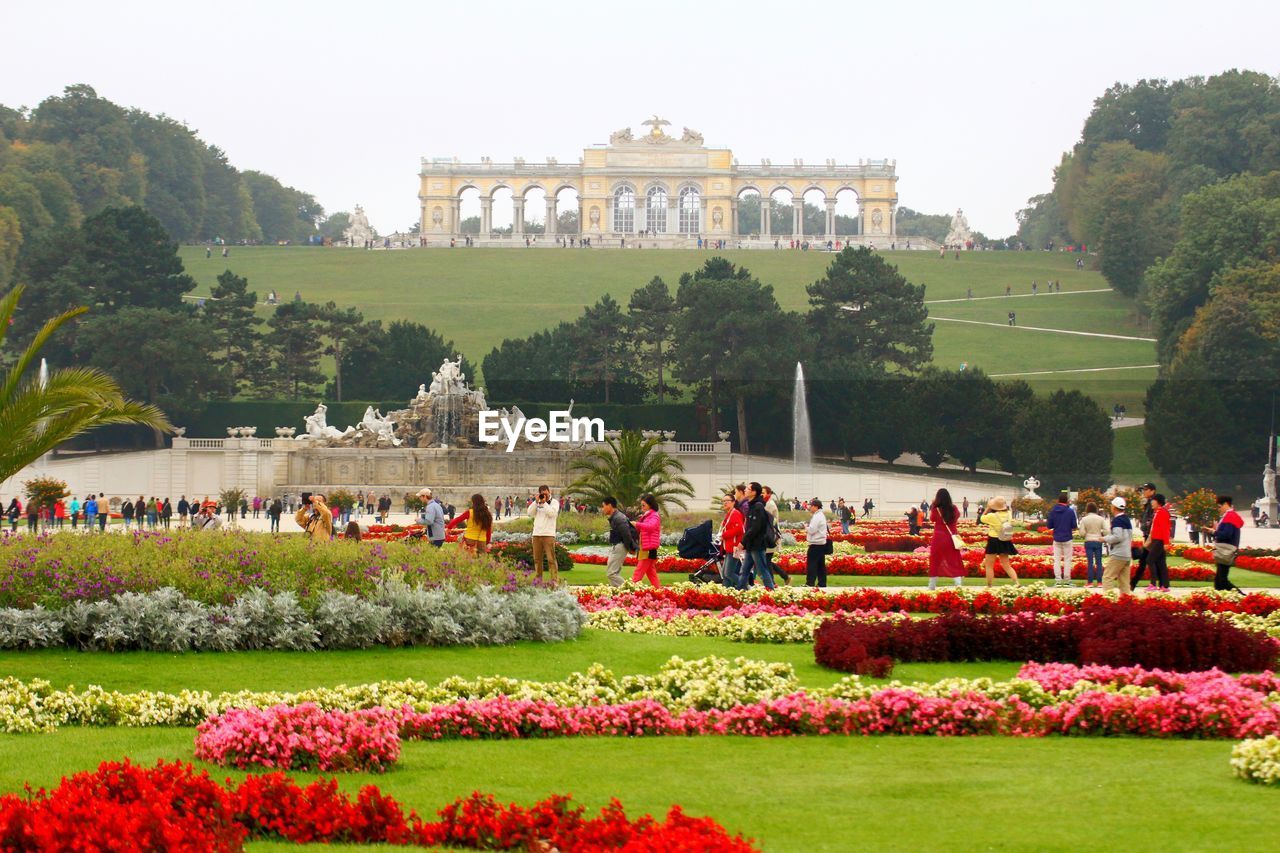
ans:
(236, 344)
(652, 311)
(295, 350)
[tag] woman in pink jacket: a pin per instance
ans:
(650, 527)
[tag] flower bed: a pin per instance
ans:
(1119, 634)
(55, 570)
(1266, 564)
(1257, 760)
(123, 806)
(900, 565)
(392, 613)
(301, 737)
(1028, 598)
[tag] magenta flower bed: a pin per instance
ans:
(301, 737)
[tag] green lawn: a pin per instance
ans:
(797, 794)
(477, 297)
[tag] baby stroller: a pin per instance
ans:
(698, 543)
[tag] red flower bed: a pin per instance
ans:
(1118, 634)
(1266, 565)
(122, 806)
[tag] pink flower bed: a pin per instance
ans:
(301, 737)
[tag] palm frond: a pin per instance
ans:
(628, 467)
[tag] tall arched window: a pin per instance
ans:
(655, 209)
(624, 210)
(690, 211)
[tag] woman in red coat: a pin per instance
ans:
(944, 557)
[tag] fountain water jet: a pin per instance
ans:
(802, 440)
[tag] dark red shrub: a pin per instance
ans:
(1115, 634)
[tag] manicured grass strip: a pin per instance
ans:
(625, 654)
(810, 794)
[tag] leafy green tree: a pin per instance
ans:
(731, 337)
(628, 467)
(342, 328)
(913, 223)
(1226, 225)
(470, 225)
(1065, 440)
(602, 353)
(159, 357)
(567, 222)
(36, 417)
(1229, 123)
(10, 243)
(235, 346)
(335, 225)
(295, 348)
(863, 311)
(532, 368)
(652, 312)
(283, 213)
(384, 364)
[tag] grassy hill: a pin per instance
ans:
(477, 297)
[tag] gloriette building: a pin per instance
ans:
(673, 189)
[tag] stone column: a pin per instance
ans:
(733, 218)
(673, 214)
(550, 228)
(517, 219)
(606, 226)
(862, 220)
(766, 208)
(797, 216)
(455, 223)
(486, 217)
(422, 222)
(831, 219)
(893, 220)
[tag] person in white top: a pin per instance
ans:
(816, 536)
(1094, 527)
(544, 511)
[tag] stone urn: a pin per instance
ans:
(249, 432)
(232, 432)
(723, 435)
(179, 432)
(285, 432)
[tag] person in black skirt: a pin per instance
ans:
(996, 519)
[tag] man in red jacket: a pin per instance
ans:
(1158, 545)
(731, 540)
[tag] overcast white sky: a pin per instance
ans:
(976, 101)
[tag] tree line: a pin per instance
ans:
(1176, 186)
(866, 345)
(77, 154)
(178, 352)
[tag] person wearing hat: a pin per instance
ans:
(1000, 548)
(431, 517)
(316, 519)
(1119, 542)
(1144, 523)
(208, 519)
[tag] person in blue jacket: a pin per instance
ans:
(1062, 520)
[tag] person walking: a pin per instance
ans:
(14, 512)
(74, 509)
(184, 510)
(33, 517)
(867, 506)
(1062, 520)
(755, 538)
(1093, 527)
(1144, 524)
(431, 517)
(731, 528)
(90, 513)
(771, 507)
(478, 529)
(316, 519)
(153, 513)
(845, 515)
(815, 561)
(166, 514)
(650, 526)
(104, 512)
(544, 511)
(1119, 542)
(999, 524)
(945, 558)
(621, 540)
(1226, 542)
(126, 513)
(274, 512)
(1158, 545)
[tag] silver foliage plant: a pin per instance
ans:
(397, 615)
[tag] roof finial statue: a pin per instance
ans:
(656, 124)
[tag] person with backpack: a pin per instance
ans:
(649, 524)
(621, 539)
(1000, 548)
(771, 507)
(845, 515)
(755, 538)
